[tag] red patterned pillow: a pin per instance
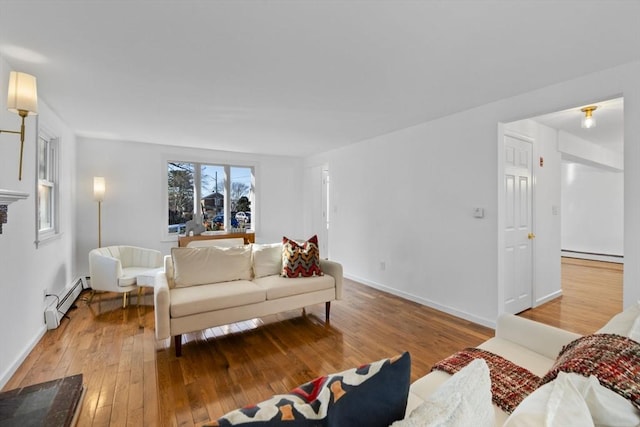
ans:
(300, 260)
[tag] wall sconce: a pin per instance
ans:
(22, 99)
(99, 187)
(588, 121)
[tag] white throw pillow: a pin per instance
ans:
(202, 266)
(463, 400)
(267, 259)
(555, 404)
(574, 400)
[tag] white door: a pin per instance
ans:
(518, 233)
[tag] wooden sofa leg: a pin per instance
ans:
(327, 310)
(178, 343)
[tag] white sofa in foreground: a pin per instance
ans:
(212, 286)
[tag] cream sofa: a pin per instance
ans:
(534, 346)
(212, 286)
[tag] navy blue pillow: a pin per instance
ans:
(369, 396)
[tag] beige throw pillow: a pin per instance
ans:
(201, 266)
(267, 259)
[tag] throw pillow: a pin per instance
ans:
(574, 400)
(463, 400)
(555, 404)
(372, 395)
(211, 264)
(267, 259)
(300, 259)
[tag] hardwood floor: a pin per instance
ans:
(592, 294)
(134, 380)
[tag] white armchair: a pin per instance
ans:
(115, 268)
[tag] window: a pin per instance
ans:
(218, 196)
(47, 200)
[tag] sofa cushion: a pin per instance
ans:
(201, 299)
(280, 287)
(267, 259)
(371, 395)
(532, 361)
(464, 400)
(300, 259)
(622, 323)
(211, 264)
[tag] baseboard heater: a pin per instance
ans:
(58, 305)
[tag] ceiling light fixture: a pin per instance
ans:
(22, 99)
(588, 121)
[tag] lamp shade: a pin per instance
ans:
(99, 187)
(22, 94)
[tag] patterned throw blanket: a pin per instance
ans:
(613, 359)
(510, 383)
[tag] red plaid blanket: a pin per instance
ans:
(510, 383)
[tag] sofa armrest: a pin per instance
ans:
(538, 337)
(333, 269)
(162, 302)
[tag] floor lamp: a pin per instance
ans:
(99, 187)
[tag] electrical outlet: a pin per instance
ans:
(383, 266)
(44, 293)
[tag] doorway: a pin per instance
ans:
(577, 203)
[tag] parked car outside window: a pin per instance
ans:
(220, 219)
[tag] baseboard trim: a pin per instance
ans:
(547, 298)
(619, 259)
(426, 302)
(8, 373)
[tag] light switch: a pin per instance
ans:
(478, 212)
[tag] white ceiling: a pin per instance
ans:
(609, 129)
(299, 77)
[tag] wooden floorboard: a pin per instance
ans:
(133, 380)
(592, 294)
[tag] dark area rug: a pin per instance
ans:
(52, 403)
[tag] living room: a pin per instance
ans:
(434, 252)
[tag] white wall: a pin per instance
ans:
(592, 209)
(547, 275)
(406, 198)
(134, 205)
(25, 272)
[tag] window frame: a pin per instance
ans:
(50, 181)
(227, 165)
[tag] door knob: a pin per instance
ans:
(531, 236)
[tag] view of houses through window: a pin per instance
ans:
(218, 196)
